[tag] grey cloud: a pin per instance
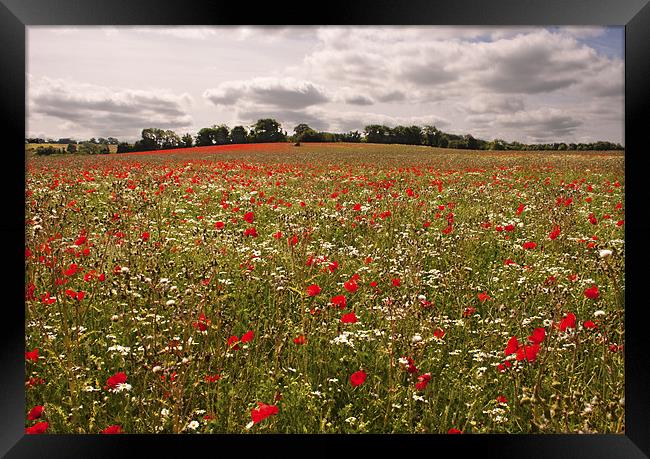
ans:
(530, 64)
(543, 124)
(494, 103)
(106, 111)
(284, 93)
(427, 74)
(391, 96)
(359, 100)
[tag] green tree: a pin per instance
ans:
(124, 147)
(47, 151)
(187, 140)
(169, 139)
(268, 130)
(215, 135)
(300, 130)
(239, 135)
(497, 144)
(377, 133)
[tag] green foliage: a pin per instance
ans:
(93, 148)
(239, 135)
(268, 130)
(215, 135)
(47, 151)
(157, 139)
(187, 141)
(124, 147)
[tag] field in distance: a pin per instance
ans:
(30, 148)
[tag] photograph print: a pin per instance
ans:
(324, 229)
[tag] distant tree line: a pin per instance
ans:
(432, 136)
(263, 131)
(269, 130)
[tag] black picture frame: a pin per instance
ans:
(15, 15)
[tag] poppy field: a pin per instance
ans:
(325, 288)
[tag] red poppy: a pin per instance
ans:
(263, 411)
(145, 236)
(32, 355)
(250, 232)
(349, 318)
(248, 336)
(469, 311)
(568, 322)
(520, 209)
(396, 282)
(592, 292)
(358, 378)
(439, 333)
(313, 290)
(504, 366)
(35, 413)
(249, 217)
(555, 233)
(538, 336)
(38, 428)
(483, 297)
(117, 378)
(219, 225)
(423, 380)
(339, 301)
(351, 286)
(528, 352)
(233, 340)
(512, 346)
(212, 378)
(114, 429)
(202, 324)
(589, 324)
(454, 431)
(410, 365)
(501, 399)
(529, 245)
(299, 340)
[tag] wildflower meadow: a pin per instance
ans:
(325, 288)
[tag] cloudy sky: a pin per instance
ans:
(525, 84)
